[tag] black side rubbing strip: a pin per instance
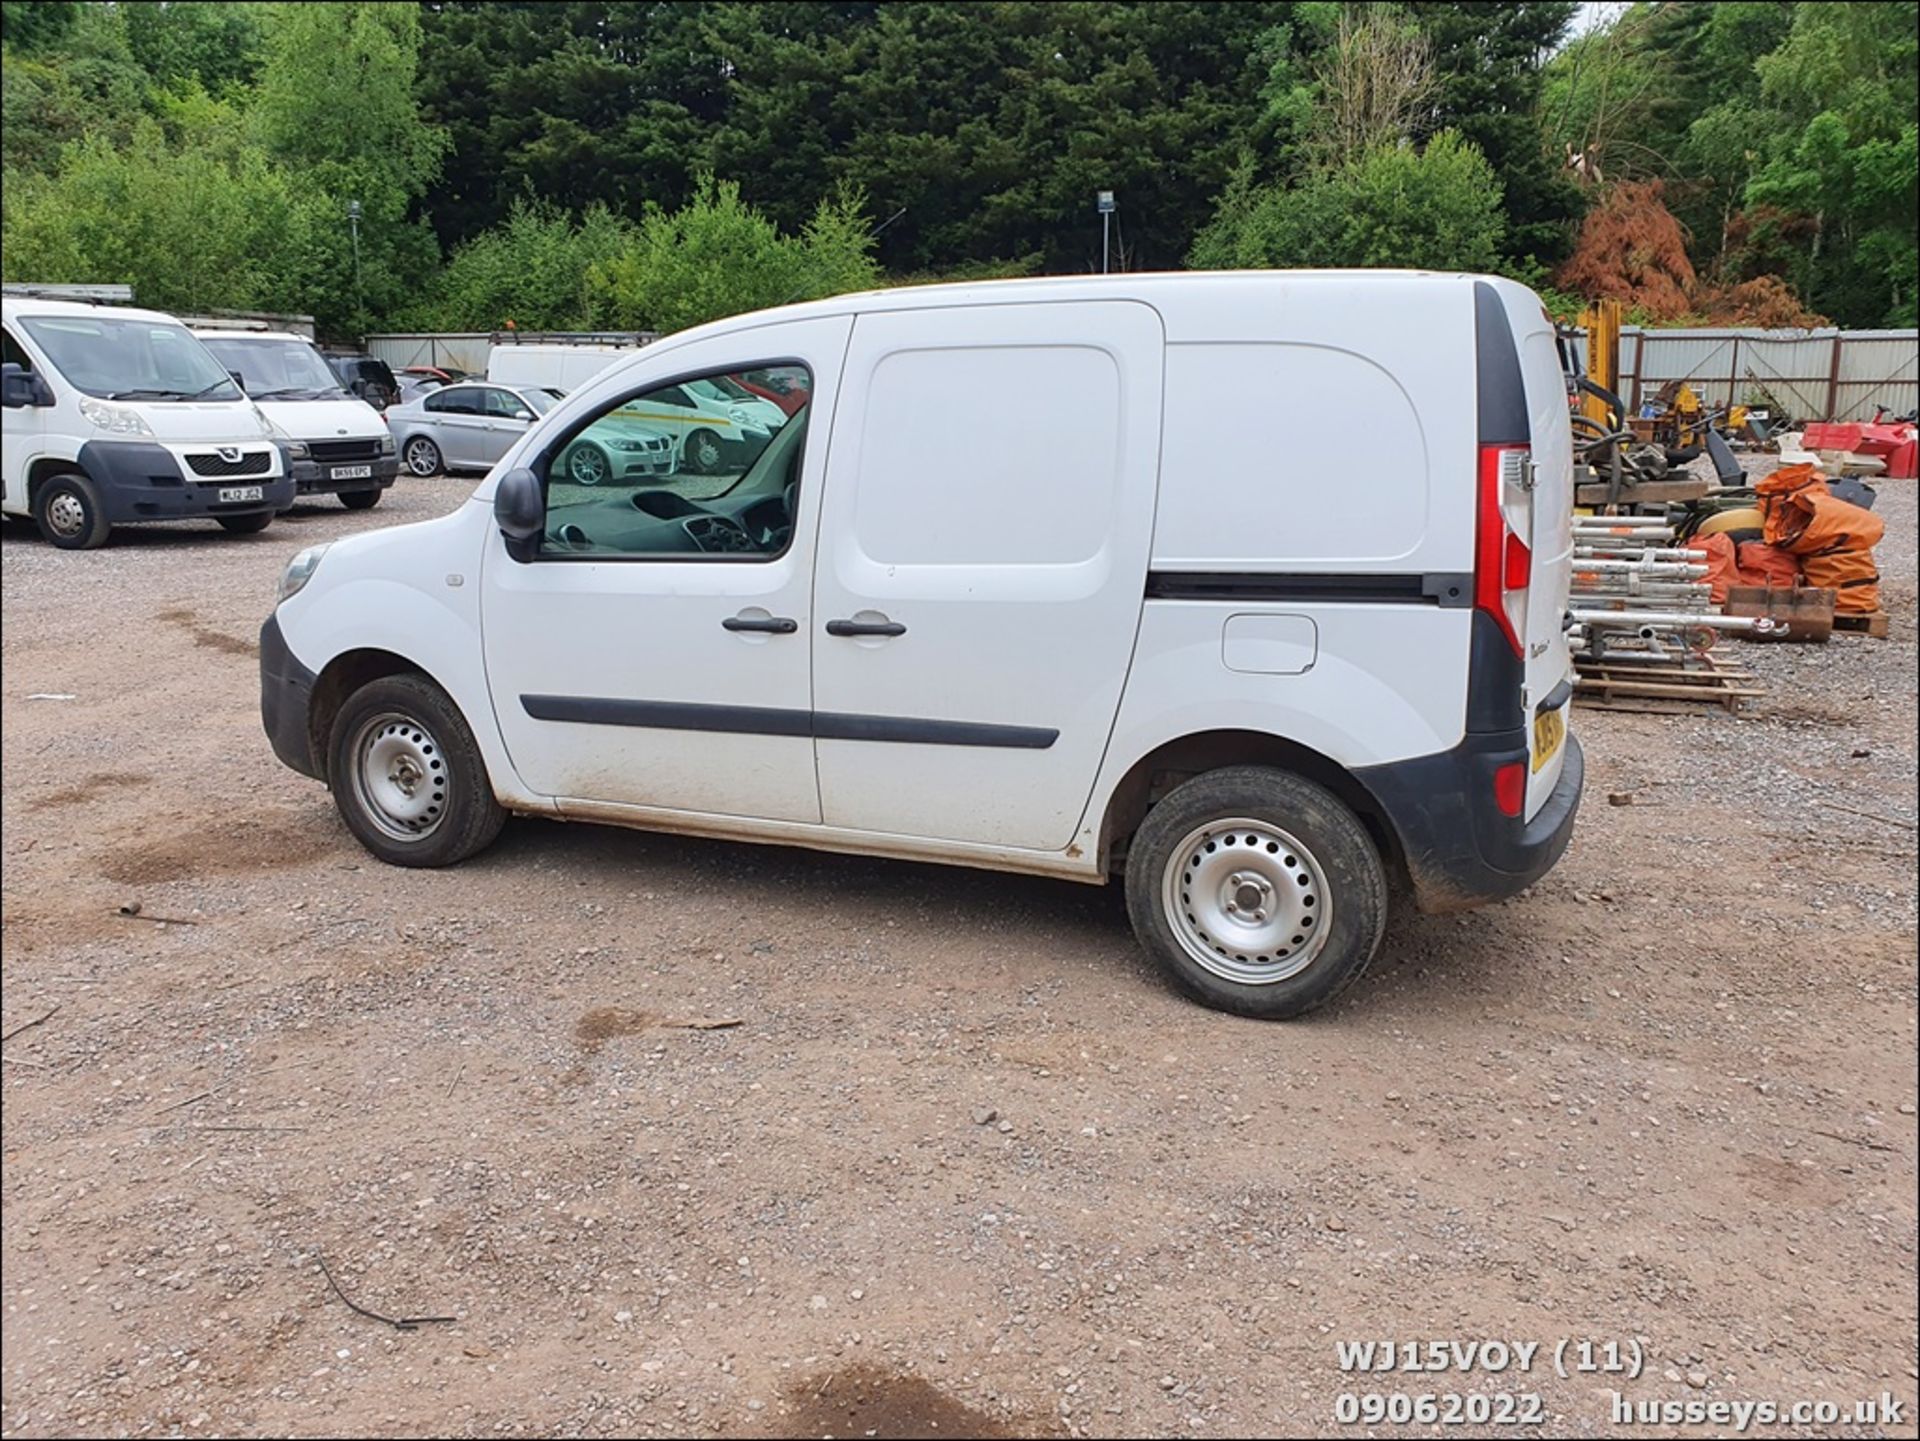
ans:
(1448, 590)
(773, 721)
(832, 726)
(668, 715)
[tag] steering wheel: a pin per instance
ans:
(717, 533)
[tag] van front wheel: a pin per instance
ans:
(407, 776)
(1260, 892)
(68, 511)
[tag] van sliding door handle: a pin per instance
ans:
(865, 627)
(766, 625)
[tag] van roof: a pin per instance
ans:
(27, 305)
(206, 334)
(1167, 291)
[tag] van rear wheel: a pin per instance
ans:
(408, 777)
(360, 499)
(68, 510)
(245, 524)
(1259, 891)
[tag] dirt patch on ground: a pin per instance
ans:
(864, 1401)
(233, 847)
(602, 1024)
(205, 636)
(87, 789)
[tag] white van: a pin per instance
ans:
(114, 416)
(330, 441)
(551, 367)
(1246, 587)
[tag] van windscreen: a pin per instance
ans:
(120, 358)
(277, 369)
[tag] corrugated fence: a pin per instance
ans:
(1810, 374)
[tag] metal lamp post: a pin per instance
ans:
(1104, 203)
(353, 221)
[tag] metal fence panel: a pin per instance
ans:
(1811, 374)
(450, 351)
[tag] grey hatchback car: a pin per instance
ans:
(465, 427)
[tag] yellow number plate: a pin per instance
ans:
(1549, 731)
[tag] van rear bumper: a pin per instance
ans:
(1460, 850)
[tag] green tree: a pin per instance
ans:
(531, 269)
(1487, 61)
(220, 45)
(1393, 206)
(205, 220)
(717, 256)
(60, 83)
(336, 106)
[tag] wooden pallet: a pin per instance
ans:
(1661, 686)
(1874, 625)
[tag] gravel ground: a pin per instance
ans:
(965, 1165)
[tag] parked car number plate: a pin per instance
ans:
(1549, 731)
(240, 492)
(351, 472)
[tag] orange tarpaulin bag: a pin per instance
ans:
(1851, 576)
(1763, 564)
(1723, 567)
(1781, 495)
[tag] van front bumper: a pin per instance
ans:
(139, 480)
(316, 477)
(286, 697)
(1460, 850)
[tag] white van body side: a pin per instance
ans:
(554, 367)
(1303, 532)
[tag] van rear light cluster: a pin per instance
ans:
(1503, 560)
(1510, 787)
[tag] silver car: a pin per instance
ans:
(465, 427)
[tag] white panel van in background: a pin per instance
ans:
(331, 441)
(1080, 577)
(551, 367)
(114, 416)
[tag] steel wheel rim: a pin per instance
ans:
(400, 776)
(706, 451)
(1246, 901)
(423, 458)
(587, 466)
(66, 514)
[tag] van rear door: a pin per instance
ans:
(1548, 661)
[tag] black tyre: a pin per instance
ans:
(704, 452)
(360, 499)
(588, 464)
(407, 776)
(422, 457)
(69, 513)
(1260, 892)
(246, 524)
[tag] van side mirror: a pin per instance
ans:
(239, 380)
(520, 510)
(20, 387)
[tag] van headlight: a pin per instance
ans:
(738, 416)
(387, 446)
(115, 419)
(297, 450)
(299, 571)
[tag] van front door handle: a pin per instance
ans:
(865, 627)
(764, 624)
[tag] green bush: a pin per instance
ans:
(1432, 209)
(717, 256)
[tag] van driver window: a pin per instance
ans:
(700, 469)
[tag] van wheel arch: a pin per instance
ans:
(340, 678)
(48, 468)
(1161, 769)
